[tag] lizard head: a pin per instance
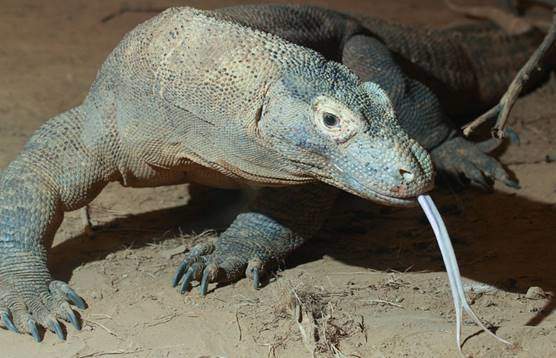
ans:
(335, 129)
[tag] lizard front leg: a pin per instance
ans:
(278, 221)
(56, 172)
(452, 154)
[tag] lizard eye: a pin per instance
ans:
(335, 120)
(330, 120)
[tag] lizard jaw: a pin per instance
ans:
(352, 184)
(385, 199)
(379, 197)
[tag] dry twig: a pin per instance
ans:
(240, 336)
(503, 108)
(108, 330)
(378, 300)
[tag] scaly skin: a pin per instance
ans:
(190, 97)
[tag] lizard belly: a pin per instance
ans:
(210, 177)
(153, 176)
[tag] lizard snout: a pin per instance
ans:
(407, 176)
(392, 171)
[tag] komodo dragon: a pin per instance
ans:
(214, 97)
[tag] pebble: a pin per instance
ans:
(535, 293)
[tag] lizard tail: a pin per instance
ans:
(496, 57)
(468, 67)
(513, 25)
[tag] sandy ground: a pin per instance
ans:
(371, 285)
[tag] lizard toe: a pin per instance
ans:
(42, 314)
(491, 168)
(475, 175)
(57, 303)
(15, 314)
(207, 269)
(62, 310)
(6, 317)
(25, 323)
(32, 328)
(55, 327)
(7, 320)
(253, 272)
(194, 272)
(62, 289)
(195, 255)
(54, 305)
(210, 274)
(223, 268)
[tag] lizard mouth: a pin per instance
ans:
(369, 193)
(382, 198)
(391, 200)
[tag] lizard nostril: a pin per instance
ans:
(406, 175)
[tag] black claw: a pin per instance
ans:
(187, 278)
(512, 135)
(512, 183)
(74, 321)
(478, 179)
(481, 183)
(8, 322)
(76, 300)
(34, 330)
(179, 273)
(255, 272)
(203, 288)
(55, 326)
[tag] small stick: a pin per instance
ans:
(238, 327)
(85, 214)
(378, 300)
(108, 330)
(503, 108)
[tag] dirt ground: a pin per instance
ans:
(371, 285)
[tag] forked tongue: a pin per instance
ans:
(458, 294)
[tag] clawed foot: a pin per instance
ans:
(211, 262)
(458, 156)
(26, 306)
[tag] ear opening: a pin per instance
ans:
(380, 98)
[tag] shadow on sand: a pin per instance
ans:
(501, 240)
